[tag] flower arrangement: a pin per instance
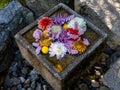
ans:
(60, 35)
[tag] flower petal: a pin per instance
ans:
(38, 50)
(35, 44)
(86, 42)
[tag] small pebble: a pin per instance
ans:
(38, 86)
(29, 88)
(19, 87)
(44, 87)
(22, 79)
(33, 85)
(97, 73)
(25, 70)
(27, 81)
(94, 83)
(14, 88)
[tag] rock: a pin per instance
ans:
(103, 88)
(26, 86)
(94, 83)
(19, 87)
(97, 73)
(83, 86)
(33, 85)
(6, 51)
(107, 15)
(15, 74)
(111, 77)
(12, 81)
(38, 86)
(14, 17)
(14, 88)
(13, 68)
(24, 70)
(22, 79)
(27, 81)
(39, 7)
(33, 75)
(29, 88)
(44, 87)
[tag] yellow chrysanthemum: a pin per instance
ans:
(45, 42)
(59, 67)
(45, 49)
(65, 26)
(79, 46)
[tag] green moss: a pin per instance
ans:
(3, 3)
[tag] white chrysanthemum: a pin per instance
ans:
(80, 22)
(57, 49)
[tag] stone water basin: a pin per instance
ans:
(72, 64)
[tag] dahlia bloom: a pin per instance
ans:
(57, 49)
(44, 22)
(77, 23)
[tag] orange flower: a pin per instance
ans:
(79, 46)
(45, 42)
(44, 22)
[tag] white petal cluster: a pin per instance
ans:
(57, 49)
(80, 21)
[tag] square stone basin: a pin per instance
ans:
(72, 64)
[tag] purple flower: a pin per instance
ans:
(61, 18)
(38, 47)
(37, 34)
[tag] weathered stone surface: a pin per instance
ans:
(108, 12)
(39, 7)
(14, 17)
(6, 52)
(112, 77)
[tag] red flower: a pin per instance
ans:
(44, 22)
(72, 31)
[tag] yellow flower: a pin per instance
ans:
(59, 67)
(44, 42)
(45, 49)
(45, 33)
(79, 46)
(65, 26)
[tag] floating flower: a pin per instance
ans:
(45, 42)
(57, 49)
(61, 18)
(65, 26)
(44, 22)
(79, 46)
(56, 30)
(45, 49)
(78, 23)
(37, 34)
(72, 33)
(59, 67)
(38, 47)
